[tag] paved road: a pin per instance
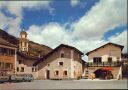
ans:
(67, 84)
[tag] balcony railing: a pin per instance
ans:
(101, 64)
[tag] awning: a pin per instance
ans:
(108, 68)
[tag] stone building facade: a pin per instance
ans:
(63, 62)
(106, 56)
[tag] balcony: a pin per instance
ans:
(103, 64)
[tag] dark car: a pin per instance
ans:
(4, 79)
(28, 77)
(22, 78)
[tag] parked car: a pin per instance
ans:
(31, 78)
(28, 77)
(22, 78)
(4, 79)
(17, 78)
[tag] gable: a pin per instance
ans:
(60, 47)
(120, 47)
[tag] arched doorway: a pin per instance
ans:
(98, 73)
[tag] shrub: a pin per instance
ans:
(79, 77)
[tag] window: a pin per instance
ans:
(62, 55)
(4, 50)
(7, 65)
(60, 63)
(65, 73)
(17, 69)
(24, 49)
(56, 73)
(34, 69)
(12, 52)
(11, 65)
(94, 59)
(100, 60)
(19, 61)
(22, 69)
(109, 59)
(2, 65)
(25, 44)
(97, 59)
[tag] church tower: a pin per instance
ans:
(23, 41)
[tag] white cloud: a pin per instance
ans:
(14, 26)
(52, 34)
(3, 20)
(120, 38)
(16, 8)
(105, 15)
(74, 2)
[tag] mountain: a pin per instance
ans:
(34, 48)
(11, 39)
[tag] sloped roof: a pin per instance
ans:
(4, 42)
(117, 45)
(50, 53)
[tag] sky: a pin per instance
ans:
(84, 24)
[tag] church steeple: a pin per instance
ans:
(23, 41)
